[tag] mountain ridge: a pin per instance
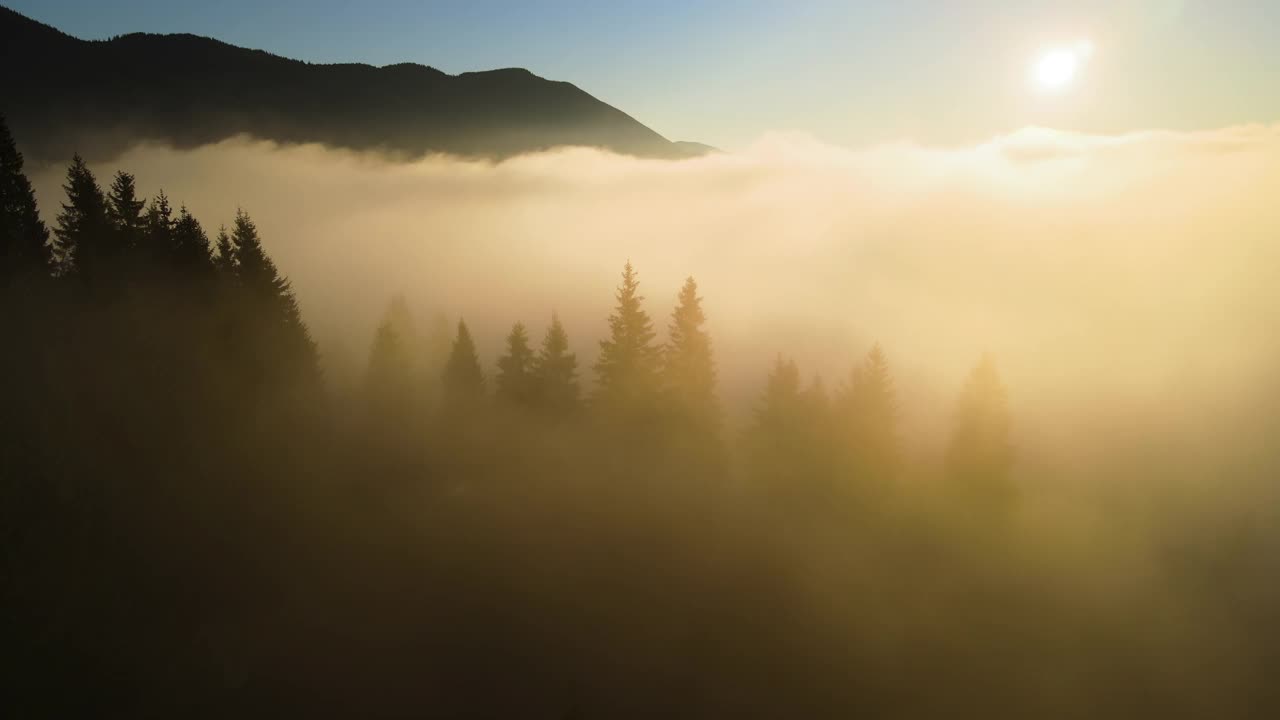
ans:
(99, 97)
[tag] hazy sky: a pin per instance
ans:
(852, 73)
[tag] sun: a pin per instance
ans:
(1056, 68)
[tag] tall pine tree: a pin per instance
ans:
(689, 373)
(189, 251)
(627, 372)
(462, 378)
(24, 239)
(389, 379)
(158, 227)
(980, 455)
(868, 415)
(514, 382)
(272, 306)
(86, 241)
(555, 372)
(224, 257)
(125, 209)
(789, 442)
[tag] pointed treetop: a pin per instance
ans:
(555, 372)
(463, 379)
(627, 370)
(84, 231)
(515, 369)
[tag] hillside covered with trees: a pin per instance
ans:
(64, 94)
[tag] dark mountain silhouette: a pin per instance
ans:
(64, 95)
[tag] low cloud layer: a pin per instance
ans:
(1117, 279)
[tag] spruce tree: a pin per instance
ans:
(255, 269)
(980, 456)
(389, 378)
(462, 378)
(867, 412)
(24, 239)
(773, 436)
(514, 381)
(224, 259)
(689, 373)
(272, 303)
(790, 440)
(782, 408)
(125, 210)
(158, 227)
(189, 251)
(627, 371)
(85, 237)
(555, 372)
(391, 382)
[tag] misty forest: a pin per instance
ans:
(200, 520)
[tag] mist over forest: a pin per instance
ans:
(797, 431)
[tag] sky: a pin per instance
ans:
(850, 73)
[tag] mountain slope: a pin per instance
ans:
(64, 95)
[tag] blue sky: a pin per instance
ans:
(848, 72)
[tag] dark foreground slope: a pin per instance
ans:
(63, 95)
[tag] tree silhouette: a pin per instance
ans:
(24, 239)
(273, 306)
(190, 245)
(689, 373)
(627, 372)
(789, 442)
(515, 381)
(980, 456)
(782, 409)
(125, 210)
(555, 372)
(867, 410)
(158, 229)
(224, 257)
(85, 241)
(389, 378)
(462, 378)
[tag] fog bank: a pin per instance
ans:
(1125, 283)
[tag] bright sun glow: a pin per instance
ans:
(1056, 68)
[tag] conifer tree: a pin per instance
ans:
(389, 378)
(85, 238)
(980, 456)
(627, 371)
(816, 403)
(256, 270)
(790, 438)
(463, 379)
(190, 245)
(867, 412)
(555, 371)
(689, 374)
(783, 407)
(158, 227)
(514, 381)
(272, 302)
(437, 343)
(24, 239)
(400, 319)
(773, 436)
(224, 259)
(125, 209)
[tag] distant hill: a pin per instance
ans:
(64, 95)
